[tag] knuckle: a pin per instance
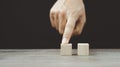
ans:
(51, 10)
(79, 32)
(60, 31)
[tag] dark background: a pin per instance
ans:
(26, 24)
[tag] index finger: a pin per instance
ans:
(68, 30)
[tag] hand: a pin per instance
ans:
(68, 17)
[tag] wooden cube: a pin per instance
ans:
(66, 49)
(83, 49)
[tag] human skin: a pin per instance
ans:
(68, 17)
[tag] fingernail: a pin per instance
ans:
(64, 40)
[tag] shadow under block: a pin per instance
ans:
(83, 49)
(66, 49)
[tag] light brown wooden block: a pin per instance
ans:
(66, 49)
(83, 49)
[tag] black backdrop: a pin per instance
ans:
(26, 24)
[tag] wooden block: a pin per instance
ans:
(66, 49)
(83, 49)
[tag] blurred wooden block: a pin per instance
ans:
(66, 49)
(83, 49)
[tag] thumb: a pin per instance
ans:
(68, 30)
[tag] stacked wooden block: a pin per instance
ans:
(82, 49)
